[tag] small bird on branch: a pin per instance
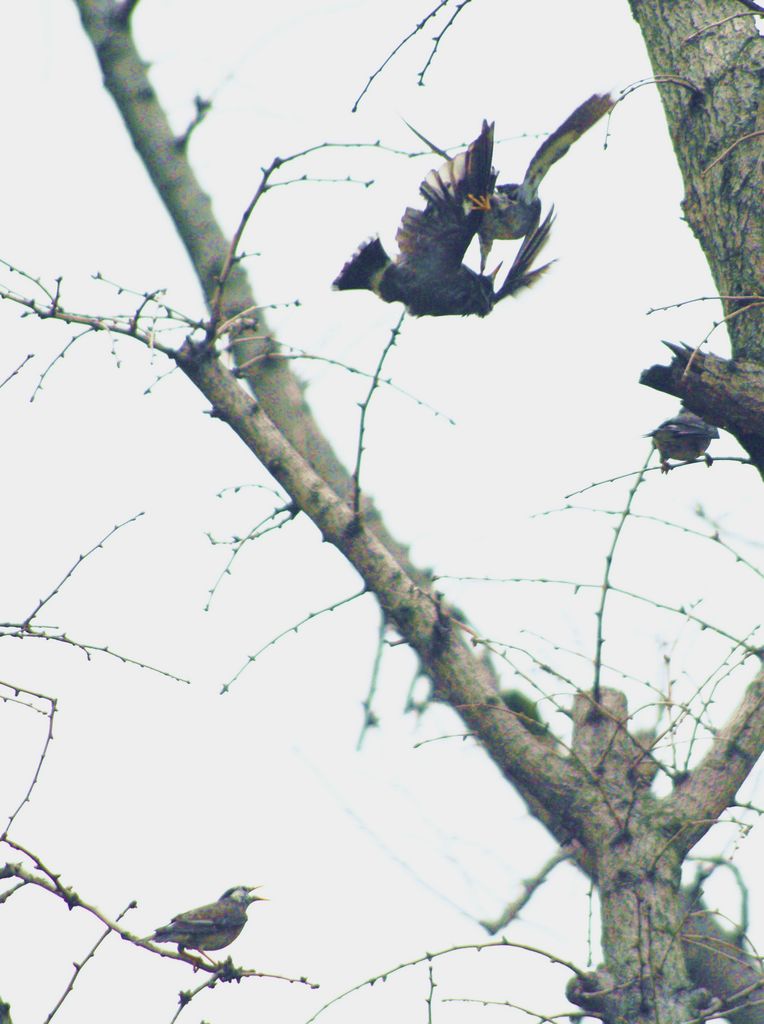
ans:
(685, 437)
(213, 926)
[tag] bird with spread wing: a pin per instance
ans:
(513, 211)
(428, 275)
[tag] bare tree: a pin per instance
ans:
(666, 957)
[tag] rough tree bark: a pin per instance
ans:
(665, 959)
(708, 61)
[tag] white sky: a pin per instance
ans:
(169, 794)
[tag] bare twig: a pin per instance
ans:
(263, 187)
(20, 367)
(703, 298)
(369, 717)
(365, 408)
(579, 585)
(715, 536)
(417, 28)
(20, 632)
(202, 108)
(715, 24)
(429, 957)
(600, 614)
(658, 80)
(288, 510)
(541, 1018)
(292, 352)
(430, 992)
(79, 966)
(26, 624)
(309, 179)
(53, 705)
(56, 359)
(438, 39)
(530, 885)
(292, 629)
(728, 150)
(657, 469)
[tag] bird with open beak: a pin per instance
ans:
(213, 926)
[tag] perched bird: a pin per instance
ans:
(512, 211)
(212, 926)
(428, 275)
(684, 437)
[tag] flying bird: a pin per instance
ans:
(212, 926)
(428, 275)
(514, 210)
(684, 437)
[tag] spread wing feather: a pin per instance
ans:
(441, 233)
(559, 142)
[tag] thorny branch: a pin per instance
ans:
(48, 880)
(50, 715)
(364, 410)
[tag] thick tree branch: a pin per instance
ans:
(460, 677)
(279, 391)
(727, 393)
(638, 842)
(714, 129)
(716, 133)
(713, 784)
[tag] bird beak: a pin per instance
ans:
(253, 898)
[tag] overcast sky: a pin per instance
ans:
(169, 793)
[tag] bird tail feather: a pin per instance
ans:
(364, 267)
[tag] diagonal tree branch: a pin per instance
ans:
(460, 677)
(715, 131)
(279, 391)
(713, 784)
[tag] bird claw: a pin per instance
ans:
(480, 202)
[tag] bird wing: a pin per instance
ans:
(560, 141)
(201, 919)
(441, 233)
(686, 424)
(521, 273)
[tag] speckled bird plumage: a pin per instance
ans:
(212, 926)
